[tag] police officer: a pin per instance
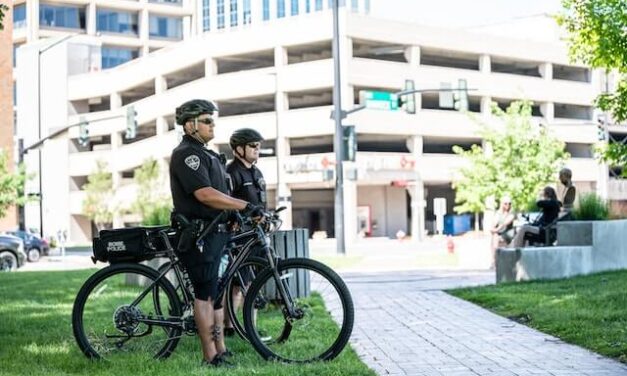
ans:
(198, 181)
(248, 184)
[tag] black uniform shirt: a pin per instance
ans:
(192, 167)
(248, 183)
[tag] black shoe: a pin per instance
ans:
(226, 354)
(218, 361)
(229, 332)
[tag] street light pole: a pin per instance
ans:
(277, 142)
(338, 141)
(41, 196)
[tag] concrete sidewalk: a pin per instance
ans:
(406, 325)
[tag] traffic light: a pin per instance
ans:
(349, 138)
(461, 95)
(408, 101)
(83, 132)
(131, 123)
(601, 128)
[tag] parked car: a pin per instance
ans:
(12, 255)
(34, 245)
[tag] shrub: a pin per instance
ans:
(591, 208)
(158, 215)
(531, 206)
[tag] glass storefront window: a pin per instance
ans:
(220, 14)
(294, 8)
(247, 14)
(116, 21)
(113, 56)
(206, 12)
(19, 16)
(280, 8)
(266, 10)
(62, 16)
(166, 27)
(233, 12)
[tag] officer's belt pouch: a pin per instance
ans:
(189, 236)
(134, 244)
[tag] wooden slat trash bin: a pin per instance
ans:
(289, 244)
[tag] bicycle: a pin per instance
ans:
(128, 308)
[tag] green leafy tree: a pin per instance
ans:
(11, 185)
(3, 8)
(152, 204)
(519, 159)
(598, 37)
(98, 204)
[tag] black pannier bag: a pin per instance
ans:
(133, 244)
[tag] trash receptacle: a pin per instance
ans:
(456, 224)
(289, 244)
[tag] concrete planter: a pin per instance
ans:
(575, 233)
(584, 247)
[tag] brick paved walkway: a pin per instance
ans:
(405, 325)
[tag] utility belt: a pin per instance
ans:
(191, 229)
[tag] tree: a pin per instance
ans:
(11, 185)
(98, 204)
(152, 204)
(518, 160)
(3, 8)
(598, 38)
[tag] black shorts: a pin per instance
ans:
(202, 267)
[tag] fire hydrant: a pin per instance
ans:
(450, 245)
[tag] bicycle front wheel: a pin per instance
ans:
(312, 320)
(114, 314)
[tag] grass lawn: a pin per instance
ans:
(36, 338)
(589, 311)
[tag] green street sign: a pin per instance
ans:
(378, 100)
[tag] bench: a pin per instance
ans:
(548, 233)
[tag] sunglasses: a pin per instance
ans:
(207, 121)
(254, 145)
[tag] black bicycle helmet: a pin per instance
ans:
(194, 108)
(244, 136)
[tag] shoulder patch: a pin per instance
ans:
(192, 162)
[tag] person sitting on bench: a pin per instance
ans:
(550, 209)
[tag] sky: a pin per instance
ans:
(461, 13)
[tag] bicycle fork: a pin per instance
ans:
(290, 312)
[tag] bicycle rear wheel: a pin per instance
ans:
(237, 288)
(106, 323)
(320, 324)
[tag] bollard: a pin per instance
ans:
(450, 245)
